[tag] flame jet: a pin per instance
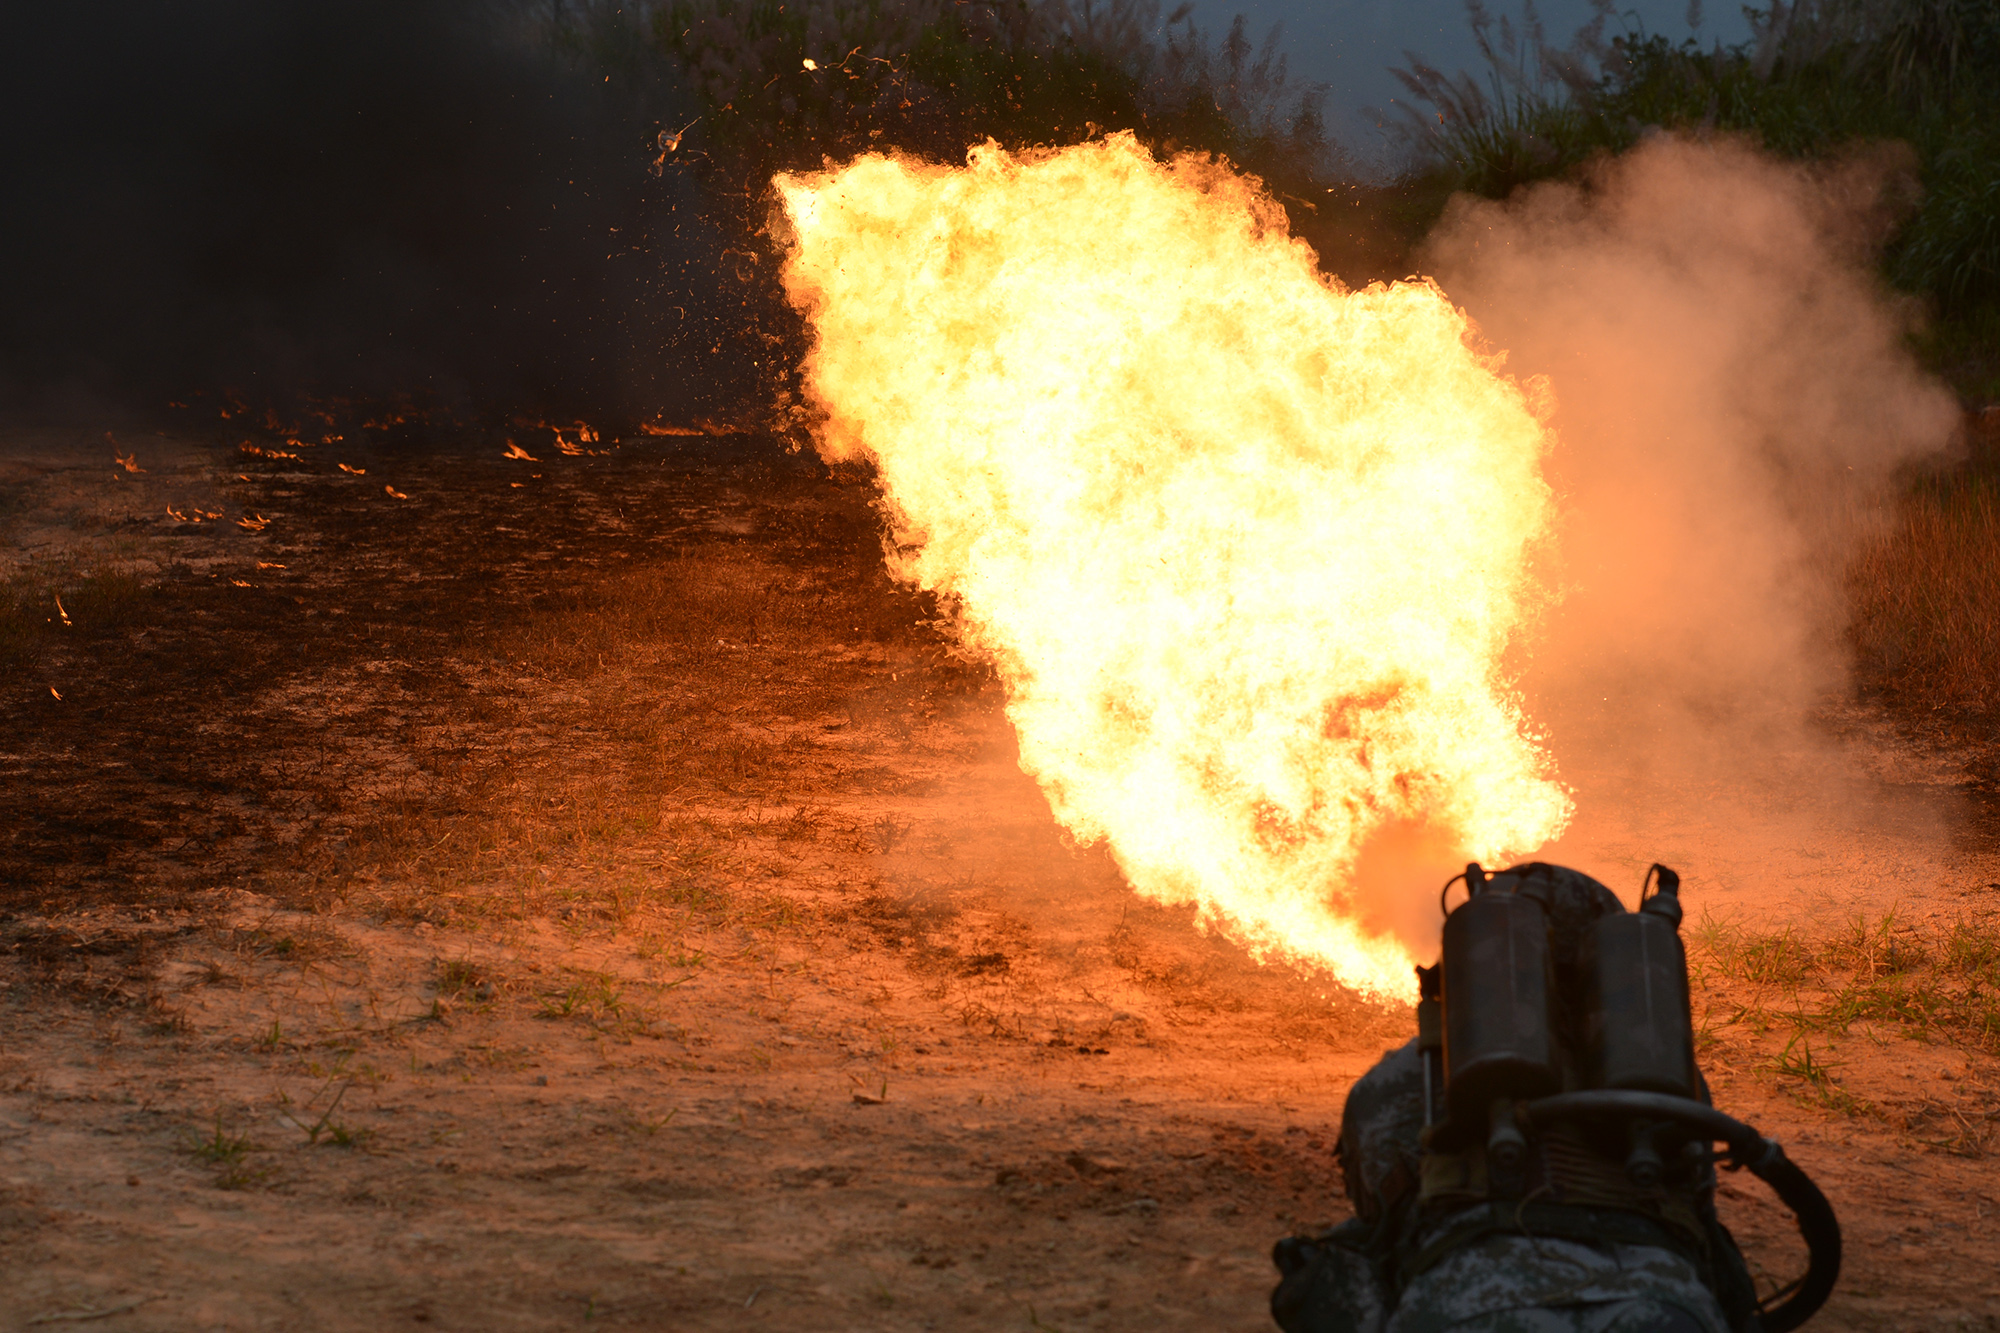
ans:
(1245, 547)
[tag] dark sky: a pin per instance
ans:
(1350, 44)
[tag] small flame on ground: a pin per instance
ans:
(1245, 547)
(261, 452)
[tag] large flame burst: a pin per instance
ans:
(1245, 547)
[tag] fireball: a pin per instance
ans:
(1246, 548)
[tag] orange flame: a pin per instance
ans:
(258, 452)
(1245, 547)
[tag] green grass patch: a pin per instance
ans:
(1931, 979)
(1816, 1078)
(219, 1146)
(1766, 958)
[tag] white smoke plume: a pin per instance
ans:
(1733, 401)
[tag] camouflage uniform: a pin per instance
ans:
(1411, 1264)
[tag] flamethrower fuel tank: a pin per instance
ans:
(1497, 1037)
(1638, 1033)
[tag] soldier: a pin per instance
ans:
(1438, 1241)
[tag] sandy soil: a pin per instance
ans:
(602, 900)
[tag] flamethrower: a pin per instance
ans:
(1547, 1142)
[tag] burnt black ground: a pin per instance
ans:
(178, 753)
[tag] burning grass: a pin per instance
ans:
(43, 605)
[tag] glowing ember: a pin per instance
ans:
(1245, 547)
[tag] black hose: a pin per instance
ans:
(1762, 1157)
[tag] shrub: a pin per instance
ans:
(1814, 79)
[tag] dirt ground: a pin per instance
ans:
(476, 892)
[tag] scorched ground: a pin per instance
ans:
(602, 900)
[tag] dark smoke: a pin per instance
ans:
(353, 197)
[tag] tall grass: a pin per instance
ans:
(785, 83)
(1924, 595)
(1530, 117)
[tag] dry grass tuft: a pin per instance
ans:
(1843, 1020)
(1937, 980)
(1779, 1001)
